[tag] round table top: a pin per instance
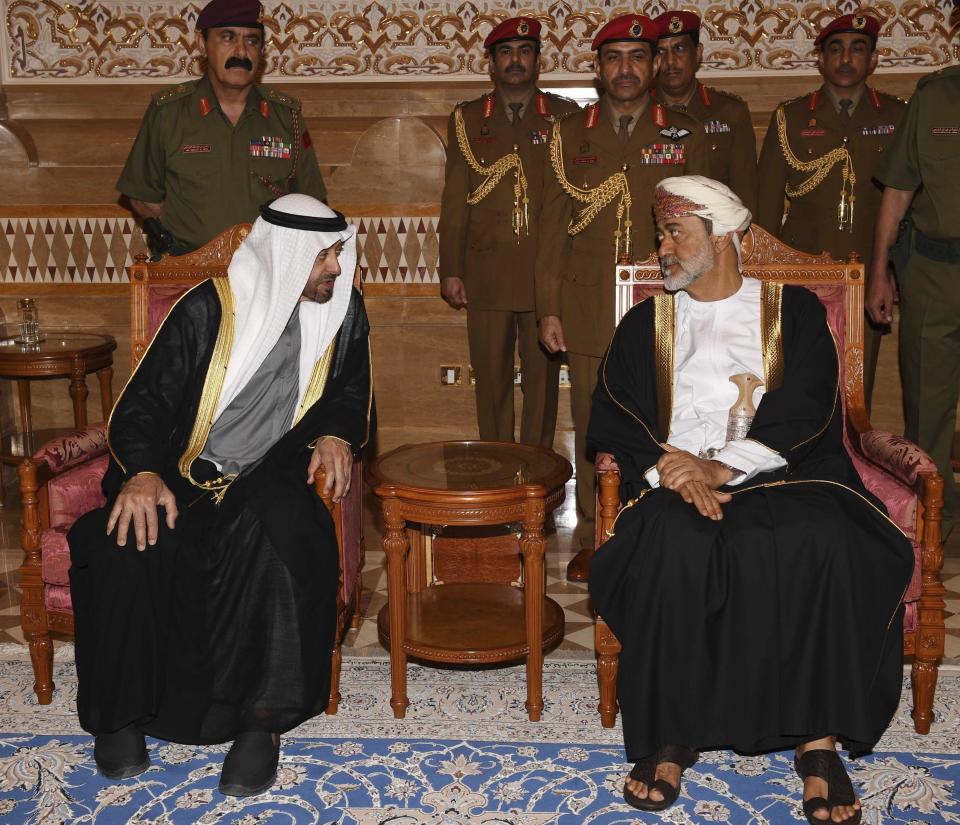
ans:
(471, 466)
(55, 342)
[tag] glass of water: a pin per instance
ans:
(29, 321)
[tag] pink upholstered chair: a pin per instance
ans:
(61, 481)
(898, 472)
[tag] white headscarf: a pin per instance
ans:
(267, 275)
(695, 195)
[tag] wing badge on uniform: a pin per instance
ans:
(674, 133)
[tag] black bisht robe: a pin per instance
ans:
(780, 623)
(227, 623)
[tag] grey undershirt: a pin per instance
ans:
(263, 410)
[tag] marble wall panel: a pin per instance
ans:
(124, 40)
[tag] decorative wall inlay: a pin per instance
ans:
(123, 40)
(391, 250)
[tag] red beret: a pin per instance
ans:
(864, 23)
(675, 23)
(516, 28)
(244, 13)
(626, 27)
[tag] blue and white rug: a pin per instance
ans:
(464, 754)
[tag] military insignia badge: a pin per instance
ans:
(674, 133)
(584, 147)
(859, 21)
(538, 137)
(269, 146)
(636, 29)
(676, 25)
(523, 28)
(484, 130)
(812, 122)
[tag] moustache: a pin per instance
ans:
(666, 261)
(631, 78)
(239, 63)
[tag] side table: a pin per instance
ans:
(469, 483)
(60, 355)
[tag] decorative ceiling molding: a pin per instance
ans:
(127, 41)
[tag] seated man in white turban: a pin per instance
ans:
(205, 590)
(753, 582)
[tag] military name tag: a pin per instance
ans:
(663, 153)
(945, 130)
(538, 137)
(674, 133)
(269, 147)
(585, 159)
(812, 132)
(885, 129)
(196, 148)
(716, 127)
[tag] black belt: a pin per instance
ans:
(945, 252)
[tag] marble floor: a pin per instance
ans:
(578, 637)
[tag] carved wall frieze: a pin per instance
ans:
(122, 40)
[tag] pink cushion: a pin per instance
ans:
(897, 455)
(351, 515)
(77, 491)
(55, 556)
(57, 598)
(73, 448)
(910, 617)
(161, 299)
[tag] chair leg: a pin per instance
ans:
(923, 678)
(357, 618)
(608, 662)
(334, 704)
(41, 657)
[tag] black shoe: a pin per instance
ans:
(645, 771)
(121, 754)
(827, 765)
(251, 766)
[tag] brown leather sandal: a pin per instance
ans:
(827, 765)
(646, 770)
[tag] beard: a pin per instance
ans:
(691, 268)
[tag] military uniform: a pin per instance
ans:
(924, 155)
(813, 128)
(479, 245)
(731, 144)
(575, 273)
(211, 174)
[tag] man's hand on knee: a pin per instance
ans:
(138, 501)
(336, 459)
(704, 498)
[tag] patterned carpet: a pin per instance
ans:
(465, 754)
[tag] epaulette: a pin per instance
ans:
(165, 96)
(283, 99)
(938, 75)
(792, 100)
(566, 115)
(724, 93)
(561, 97)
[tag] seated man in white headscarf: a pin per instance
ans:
(753, 582)
(205, 590)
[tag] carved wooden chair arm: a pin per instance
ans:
(903, 459)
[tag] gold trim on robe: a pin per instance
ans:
(771, 333)
(318, 381)
(663, 325)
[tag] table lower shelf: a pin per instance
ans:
(470, 624)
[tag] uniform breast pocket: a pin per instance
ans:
(274, 170)
(195, 168)
(940, 152)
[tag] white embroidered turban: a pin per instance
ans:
(695, 195)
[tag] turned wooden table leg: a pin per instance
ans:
(105, 377)
(26, 415)
(395, 545)
(533, 546)
(78, 392)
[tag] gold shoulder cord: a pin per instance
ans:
(595, 199)
(819, 169)
(494, 173)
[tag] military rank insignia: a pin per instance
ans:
(663, 153)
(674, 133)
(269, 147)
(716, 127)
(884, 129)
(538, 137)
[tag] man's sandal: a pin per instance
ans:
(645, 771)
(827, 765)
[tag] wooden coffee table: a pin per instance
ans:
(468, 483)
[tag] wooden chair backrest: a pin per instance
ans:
(838, 285)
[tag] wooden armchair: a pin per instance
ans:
(61, 481)
(898, 472)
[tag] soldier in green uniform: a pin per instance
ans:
(489, 223)
(211, 151)
(924, 158)
(822, 151)
(731, 143)
(605, 164)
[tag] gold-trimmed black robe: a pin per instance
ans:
(780, 623)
